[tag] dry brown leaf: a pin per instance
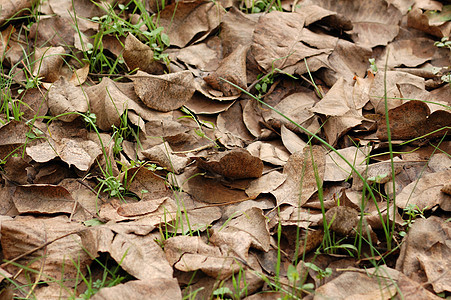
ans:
(409, 53)
(232, 131)
(234, 164)
(11, 8)
(143, 181)
(25, 233)
(301, 171)
(382, 283)
(277, 40)
(69, 143)
(424, 253)
(204, 56)
(265, 184)
(64, 98)
(338, 100)
(291, 140)
(200, 104)
(190, 21)
(108, 103)
(425, 193)
(374, 22)
(233, 69)
(272, 152)
(343, 220)
(424, 21)
(337, 169)
(164, 92)
(347, 60)
(413, 119)
(297, 107)
(392, 80)
(44, 199)
(187, 253)
(155, 289)
(240, 234)
(49, 61)
(140, 56)
(163, 155)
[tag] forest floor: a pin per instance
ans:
(225, 149)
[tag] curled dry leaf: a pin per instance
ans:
(380, 282)
(272, 152)
(190, 21)
(409, 53)
(387, 83)
(240, 234)
(234, 164)
(143, 181)
(425, 22)
(163, 155)
(164, 92)
(188, 253)
(140, 56)
(337, 169)
(65, 98)
(232, 69)
(108, 103)
(199, 104)
(205, 56)
(265, 184)
(49, 61)
(291, 140)
(69, 143)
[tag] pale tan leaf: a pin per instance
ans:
(64, 98)
(265, 184)
(155, 289)
(301, 182)
(44, 199)
(25, 233)
(337, 169)
(425, 193)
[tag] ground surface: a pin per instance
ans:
(218, 149)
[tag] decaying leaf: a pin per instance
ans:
(235, 164)
(164, 92)
(65, 98)
(304, 171)
(190, 21)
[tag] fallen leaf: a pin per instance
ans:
(64, 98)
(164, 92)
(234, 164)
(304, 171)
(233, 69)
(190, 21)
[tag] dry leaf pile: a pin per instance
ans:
(192, 186)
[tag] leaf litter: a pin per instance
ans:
(139, 141)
